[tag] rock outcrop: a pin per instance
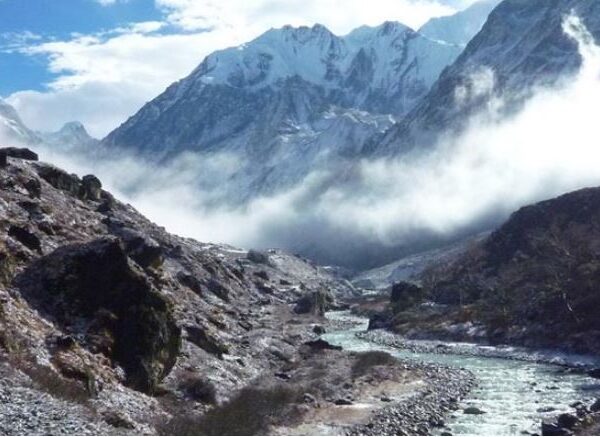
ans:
(119, 313)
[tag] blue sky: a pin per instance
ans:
(99, 61)
(56, 19)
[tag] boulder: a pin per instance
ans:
(25, 237)
(218, 289)
(319, 345)
(144, 250)
(378, 321)
(91, 188)
(258, 257)
(34, 188)
(97, 283)
(206, 340)
(315, 303)
(553, 429)
(567, 420)
(474, 411)
(595, 407)
(308, 398)
(19, 153)
(343, 401)
(318, 329)
(107, 204)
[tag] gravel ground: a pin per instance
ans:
(27, 411)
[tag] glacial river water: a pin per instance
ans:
(516, 395)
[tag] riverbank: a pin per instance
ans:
(571, 362)
(513, 394)
(427, 410)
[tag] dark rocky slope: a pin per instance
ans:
(106, 310)
(110, 325)
(533, 282)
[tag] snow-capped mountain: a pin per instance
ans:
(13, 131)
(12, 128)
(289, 102)
(522, 45)
(288, 77)
(71, 135)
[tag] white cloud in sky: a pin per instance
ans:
(103, 79)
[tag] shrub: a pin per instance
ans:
(199, 388)
(250, 412)
(367, 360)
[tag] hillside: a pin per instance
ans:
(532, 282)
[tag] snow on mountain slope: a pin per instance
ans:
(290, 75)
(521, 46)
(12, 129)
(368, 64)
(461, 27)
(71, 135)
(14, 132)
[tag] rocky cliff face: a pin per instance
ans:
(532, 282)
(99, 305)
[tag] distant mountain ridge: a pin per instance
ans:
(13, 130)
(12, 127)
(291, 102)
(287, 77)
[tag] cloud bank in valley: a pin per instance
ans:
(466, 183)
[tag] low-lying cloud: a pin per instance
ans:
(467, 183)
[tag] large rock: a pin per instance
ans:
(206, 340)
(25, 237)
(378, 321)
(553, 429)
(259, 257)
(91, 188)
(141, 248)
(313, 303)
(128, 319)
(20, 153)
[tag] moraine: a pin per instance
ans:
(516, 395)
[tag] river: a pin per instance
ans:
(515, 395)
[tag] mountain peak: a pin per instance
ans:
(392, 27)
(73, 127)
